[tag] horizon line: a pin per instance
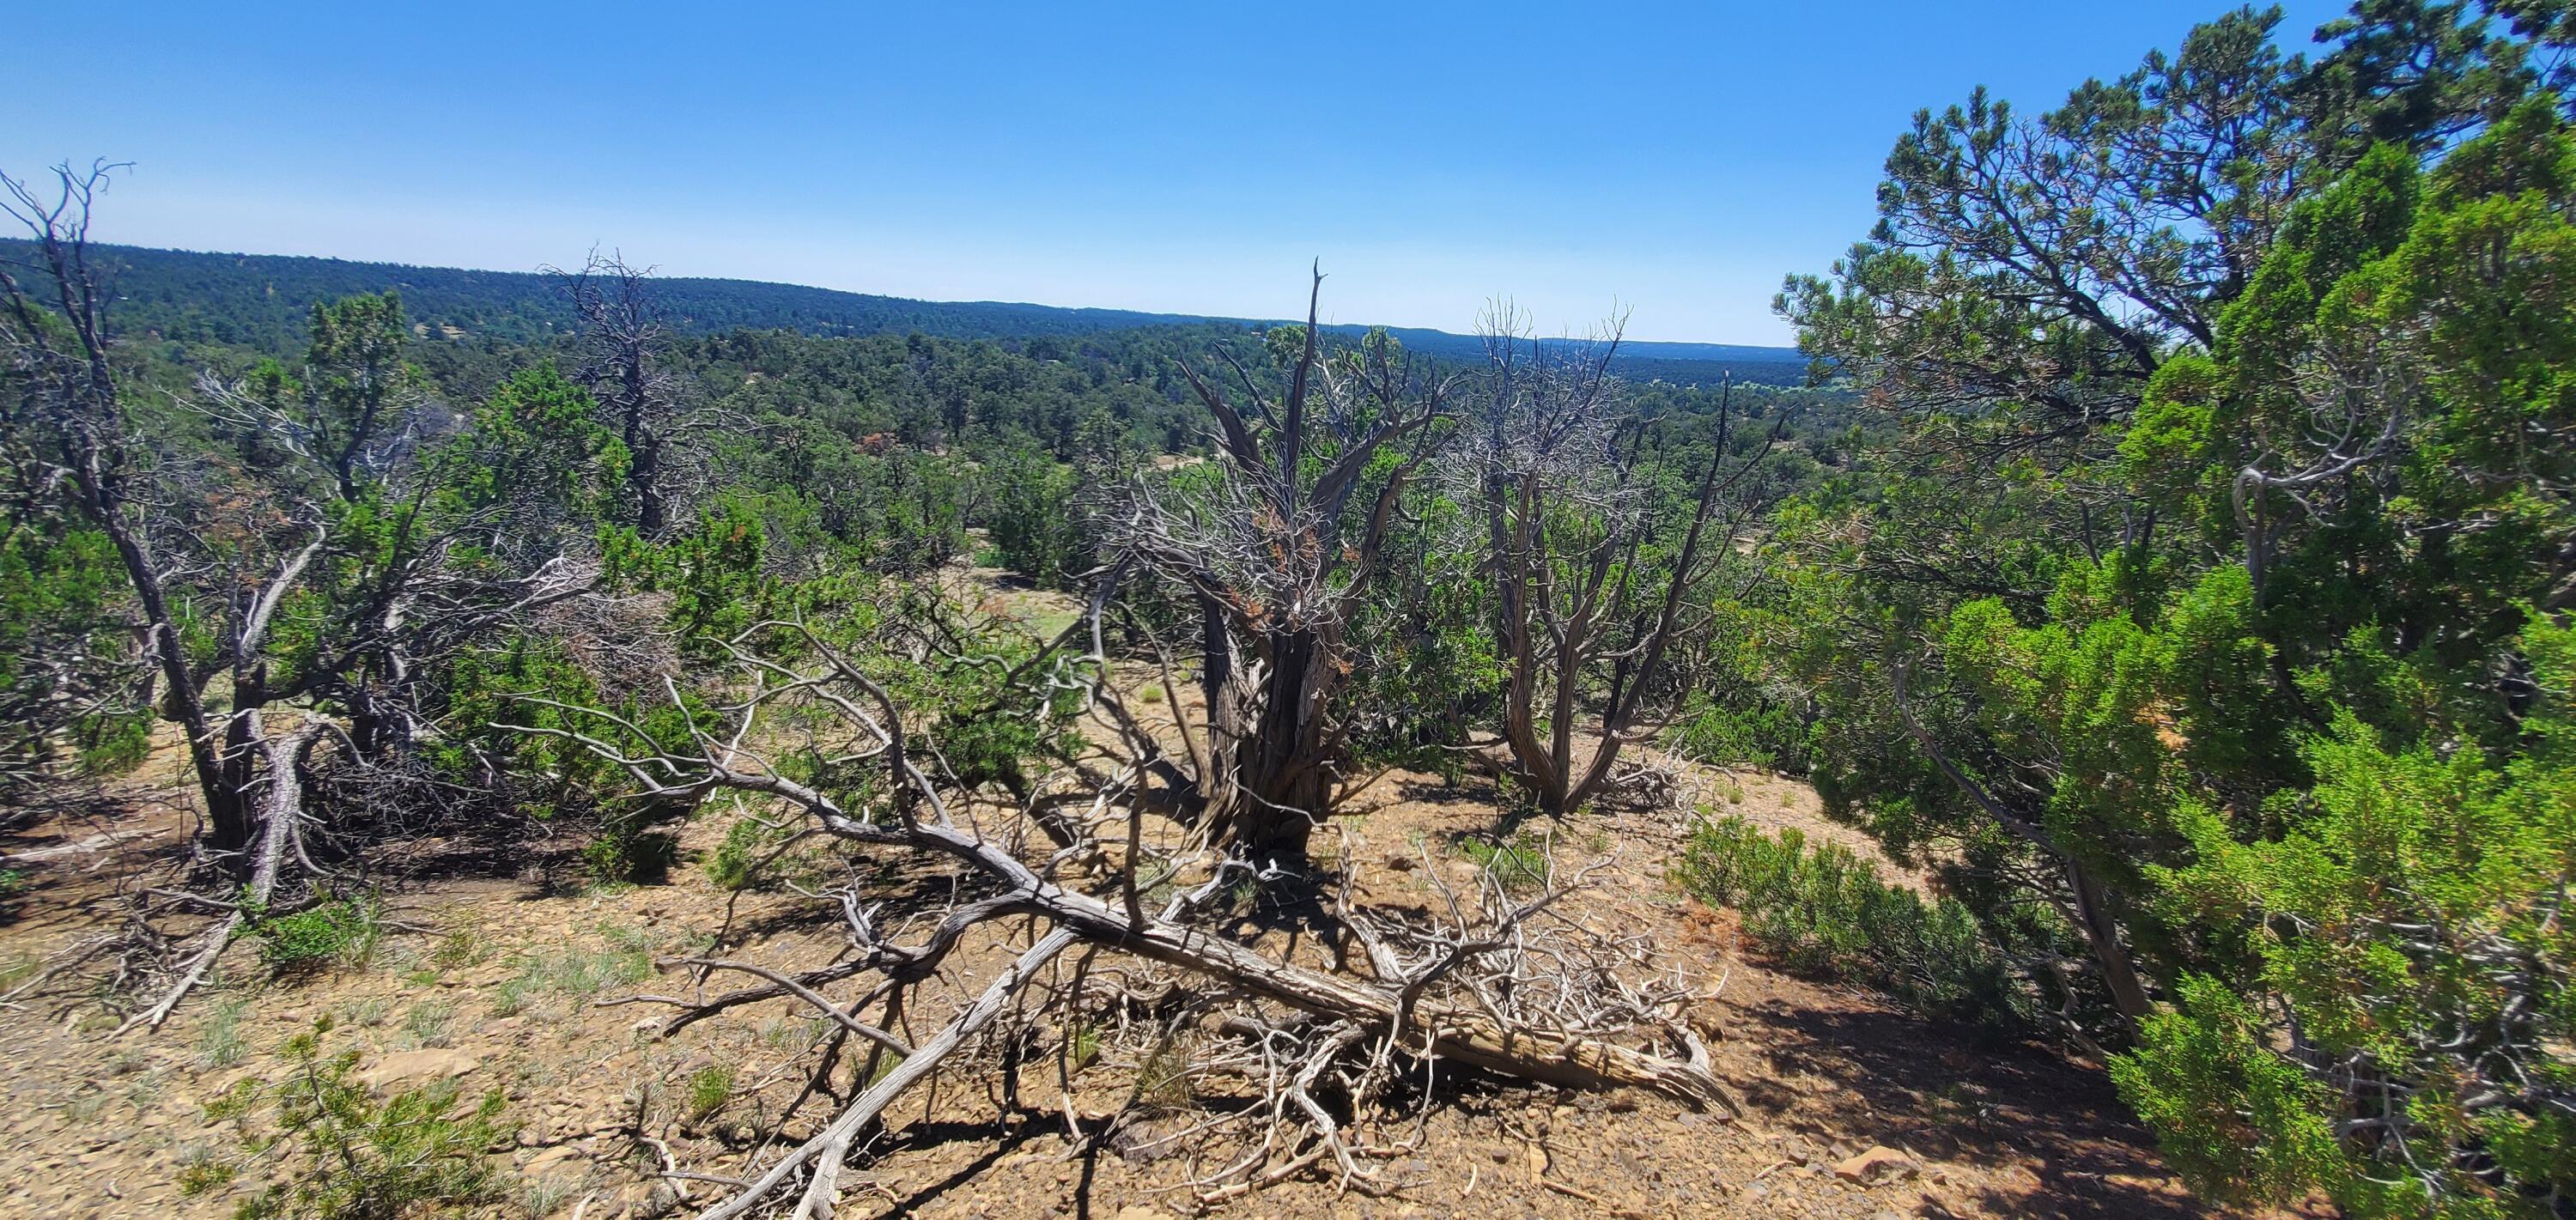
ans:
(1155, 313)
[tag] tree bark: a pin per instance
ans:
(2102, 932)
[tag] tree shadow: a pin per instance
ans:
(1297, 910)
(1901, 1082)
(1000, 1135)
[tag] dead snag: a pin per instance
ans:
(1555, 458)
(1275, 555)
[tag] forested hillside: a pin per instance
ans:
(998, 751)
(260, 302)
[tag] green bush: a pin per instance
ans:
(365, 1159)
(629, 851)
(730, 865)
(709, 1089)
(342, 931)
(1825, 911)
(733, 865)
(202, 1173)
(1033, 532)
(1767, 735)
(1519, 865)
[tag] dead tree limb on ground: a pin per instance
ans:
(282, 808)
(1499, 985)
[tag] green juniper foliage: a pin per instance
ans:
(2213, 594)
(354, 1156)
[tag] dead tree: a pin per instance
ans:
(58, 345)
(1497, 982)
(624, 335)
(1593, 588)
(390, 605)
(1274, 550)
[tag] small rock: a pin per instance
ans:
(1878, 1164)
(1138, 1211)
(565, 1164)
(421, 1065)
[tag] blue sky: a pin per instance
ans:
(1675, 160)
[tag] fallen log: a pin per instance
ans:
(1427, 1008)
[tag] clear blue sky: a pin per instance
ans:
(1676, 159)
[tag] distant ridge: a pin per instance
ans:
(261, 300)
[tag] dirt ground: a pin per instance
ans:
(513, 980)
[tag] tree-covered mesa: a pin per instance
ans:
(259, 302)
(2205, 617)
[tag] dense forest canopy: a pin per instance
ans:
(2168, 548)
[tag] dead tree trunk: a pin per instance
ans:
(277, 829)
(1267, 747)
(623, 332)
(228, 822)
(87, 409)
(1273, 563)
